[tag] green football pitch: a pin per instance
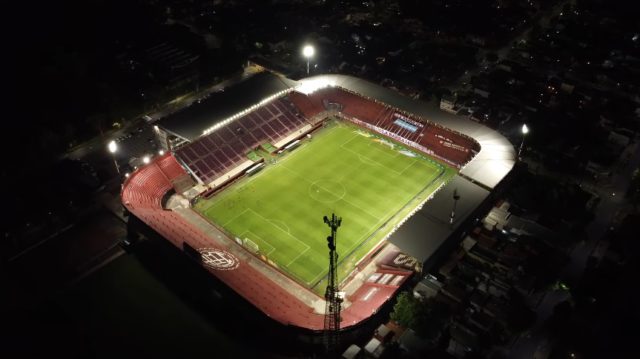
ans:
(371, 182)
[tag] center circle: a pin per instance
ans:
(327, 191)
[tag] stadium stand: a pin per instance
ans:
(308, 106)
(214, 155)
(145, 189)
(170, 167)
(217, 154)
(445, 144)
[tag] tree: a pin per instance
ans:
(427, 317)
(405, 310)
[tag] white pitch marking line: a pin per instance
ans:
(273, 224)
(273, 221)
(298, 256)
(265, 242)
(342, 199)
(234, 218)
(370, 160)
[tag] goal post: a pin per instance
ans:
(250, 245)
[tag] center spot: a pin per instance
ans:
(327, 191)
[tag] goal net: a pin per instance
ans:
(250, 245)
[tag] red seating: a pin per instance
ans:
(146, 187)
(276, 120)
(270, 123)
(446, 144)
(170, 167)
(308, 105)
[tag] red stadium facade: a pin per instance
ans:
(217, 157)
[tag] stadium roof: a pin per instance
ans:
(422, 234)
(191, 122)
(496, 157)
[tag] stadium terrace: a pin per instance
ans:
(248, 174)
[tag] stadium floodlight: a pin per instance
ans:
(127, 174)
(146, 160)
(308, 51)
(161, 152)
(113, 148)
(525, 131)
(309, 86)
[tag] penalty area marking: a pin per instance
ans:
(298, 256)
(367, 160)
(280, 229)
(253, 235)
(234, 218)
(273, 221)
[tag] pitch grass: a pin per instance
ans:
(370, 182)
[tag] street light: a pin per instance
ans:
(524, 131)
(308, 51)
(113, 148)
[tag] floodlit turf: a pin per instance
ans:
(370, 182)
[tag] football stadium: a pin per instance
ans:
(249, 174)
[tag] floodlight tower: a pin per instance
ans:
(524, 131)
(456, 197)
(113, 148)
(332, 294)
(308, 51)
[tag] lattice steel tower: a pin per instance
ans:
(332, 296)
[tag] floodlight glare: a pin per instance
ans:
(113, 146)
(161, 152)
(524, 130)
(146, 160)
(308, 51)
